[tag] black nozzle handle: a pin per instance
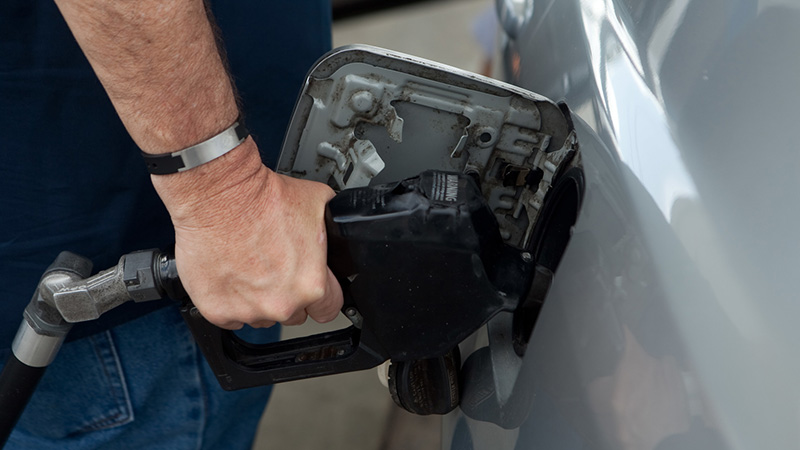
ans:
(238, 364)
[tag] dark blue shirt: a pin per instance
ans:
(72, 179)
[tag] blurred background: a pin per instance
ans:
(354, 411)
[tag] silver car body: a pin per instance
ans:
(671, 320)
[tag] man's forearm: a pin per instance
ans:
(159, 63)
(250, 245)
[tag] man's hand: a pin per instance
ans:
(255, 251)
(250, 244)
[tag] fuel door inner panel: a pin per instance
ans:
(368, 116)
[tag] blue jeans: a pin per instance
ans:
(143, 384)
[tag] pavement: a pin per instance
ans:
(354, 411)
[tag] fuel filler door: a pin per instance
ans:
(368, 116)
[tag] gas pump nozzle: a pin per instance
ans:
(422, 266)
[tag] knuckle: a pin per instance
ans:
(315, 293)
(263, 324)
(222, 319)
(326, 317)
(315, 288)
(297, 319)
(281, 311)
(326, 310)
(216, 316)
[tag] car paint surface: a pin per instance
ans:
(672, 318)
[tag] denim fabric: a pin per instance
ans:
(125, 389)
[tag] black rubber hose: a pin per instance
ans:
(17, 383)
